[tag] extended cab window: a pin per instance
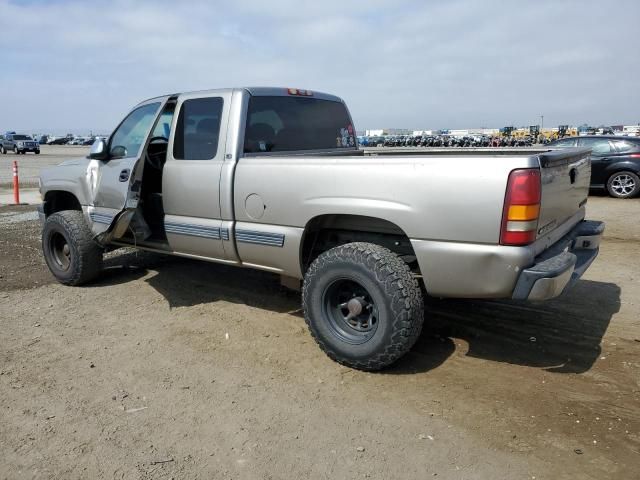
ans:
(198, 129)
(284, 124)
(131, 134)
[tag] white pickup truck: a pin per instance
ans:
(272, 178)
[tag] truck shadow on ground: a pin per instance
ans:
(562, 335)
(186, 283)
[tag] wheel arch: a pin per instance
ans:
(326, 231)
(58, 200)
(622, 166)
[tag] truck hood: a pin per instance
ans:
(74, 161)
(64, 170)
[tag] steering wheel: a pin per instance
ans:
(155, 160)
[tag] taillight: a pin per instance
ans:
(521, 208)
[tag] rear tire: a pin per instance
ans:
(72, 255)
(623, 184)
(362, 305)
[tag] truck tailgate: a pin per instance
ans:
(565, 177)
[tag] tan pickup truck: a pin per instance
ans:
(272, 178)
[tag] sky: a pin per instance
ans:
(70, 66)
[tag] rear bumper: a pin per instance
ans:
(558, 267)
(470, 270)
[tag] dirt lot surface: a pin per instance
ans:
(168, 368)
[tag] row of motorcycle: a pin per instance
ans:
(451, 141)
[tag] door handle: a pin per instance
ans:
(124, 175)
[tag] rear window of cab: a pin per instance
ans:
(286, 124)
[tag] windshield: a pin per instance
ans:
(278, 124)
(21, 137)
(130, 135)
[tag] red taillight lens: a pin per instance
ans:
(521, 207)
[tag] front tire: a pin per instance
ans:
(362, 305)
(72, 255)
(623, 184)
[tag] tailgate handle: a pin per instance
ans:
(573, 174)
(124, 175)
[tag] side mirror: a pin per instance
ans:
(98, 150)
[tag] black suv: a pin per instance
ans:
(615, 162)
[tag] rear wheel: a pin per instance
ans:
(363, 306)
(69, 249)
(623, 185)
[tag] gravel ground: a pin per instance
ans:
(170, 368)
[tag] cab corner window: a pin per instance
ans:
(132, 132)
(198, 129)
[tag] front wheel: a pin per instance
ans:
(69, 249)
(623, 185)
(363, 306)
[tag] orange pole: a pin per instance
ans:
(16, 184)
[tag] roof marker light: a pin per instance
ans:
(299, 92)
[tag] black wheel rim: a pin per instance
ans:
(350, 311)
(60, 251)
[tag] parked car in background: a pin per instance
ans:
(77, 141)
(58, 141)
(376, 141)
(19, 143)
(88, 141)
(615, 162)
(43, 140)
